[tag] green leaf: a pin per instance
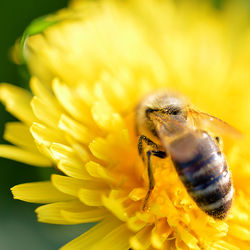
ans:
(36, 26)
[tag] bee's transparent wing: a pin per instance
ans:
(211, 123)
(183, 144)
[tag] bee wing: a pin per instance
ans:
(167, 126)
(214, 124)
(183, 144)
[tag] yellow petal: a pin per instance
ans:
(91, 197)
(91, 215)
(19, 134)
(106, 118)
(84, 90)
(71, 185)
(17, 102)
(137, 194)
(116, 239)
(117, 90)
(116, 147)
(240, 216)
(189, 239)
(75, 129)
(45, 135)
(97, 171)
(46, 114)
(45, 151)
(25, 156)
(160, 233)
(61, 151)
(239, 232)
(180, 245)
(114, 204)
(79, 149)
(135, 224)
(92, 236)
(39, 192)
(142, 239)
(51, 213)
(223, 245)
(74, 169)
(40, 68)
(45, 94)
(73, 105)
(99, 149)
(67, 185)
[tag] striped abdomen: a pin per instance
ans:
(203, 170)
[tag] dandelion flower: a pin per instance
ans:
(89, 71)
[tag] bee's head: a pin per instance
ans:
(164, 105)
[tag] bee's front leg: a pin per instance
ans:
(153, 150)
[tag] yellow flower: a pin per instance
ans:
(89, 71)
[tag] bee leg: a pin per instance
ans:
(154, 151)
(149, 143)
(150, 153)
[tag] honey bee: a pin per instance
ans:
(168, 126)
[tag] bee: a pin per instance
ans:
(168, 126)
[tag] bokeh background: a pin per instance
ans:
(19, 228)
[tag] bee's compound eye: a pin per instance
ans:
(175, 112)
(172, 109)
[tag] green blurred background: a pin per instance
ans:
(19, 228)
